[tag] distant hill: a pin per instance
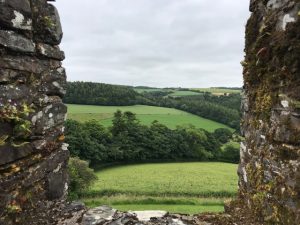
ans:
(89, 93)
(219, 104)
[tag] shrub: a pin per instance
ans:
(81, 177)
(231, 153)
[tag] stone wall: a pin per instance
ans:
(270, 165)
(33, 178)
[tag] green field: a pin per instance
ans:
(146, 114)
(183, 93)
(175, 187)
(218, 91)
(178, 92)
(175, 92)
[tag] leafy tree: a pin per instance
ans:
(223, 135)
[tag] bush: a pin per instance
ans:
(81, 177)
(231, 153)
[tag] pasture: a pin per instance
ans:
(146, 114)
(191, 91)
(183, 93)
(175, 92)
(176, 187)
(218, 91)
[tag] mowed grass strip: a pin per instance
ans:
(123, 199)
(146, 114)
(175, 187)
(175, 204)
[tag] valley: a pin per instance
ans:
(173, 149)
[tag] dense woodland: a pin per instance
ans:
(224, 109)
(129, 141)
(88, 93)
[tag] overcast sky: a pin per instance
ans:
(161, 43)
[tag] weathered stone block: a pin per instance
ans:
(13, 94)
(28, 64)
(48, 28)
(20, 5)
(50, 52)
(285, 127)
(99, 215)
(16, 42)
(7, 75)
(57, 183)
(49, 118)
(53, 82)
(48, 165)
(16, 14)
(53, 33)
(10, 154)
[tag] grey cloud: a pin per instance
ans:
(188, 43)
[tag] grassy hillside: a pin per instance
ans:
(146, 114)
(174, 92)
(183, 93)
(218, 91)
(176, 187)
(191, 91)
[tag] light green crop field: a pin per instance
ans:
(218, 91)
(146, 114)
(184, 93)
(176, 187)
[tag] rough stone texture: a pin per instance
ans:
(16, 14)
(106, 215)
(147, 215)
(16, 42)
(47, 28)
(50, 51)
(33, 157)
(269, 171)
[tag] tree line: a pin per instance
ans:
(89, 93)
(129, 141)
